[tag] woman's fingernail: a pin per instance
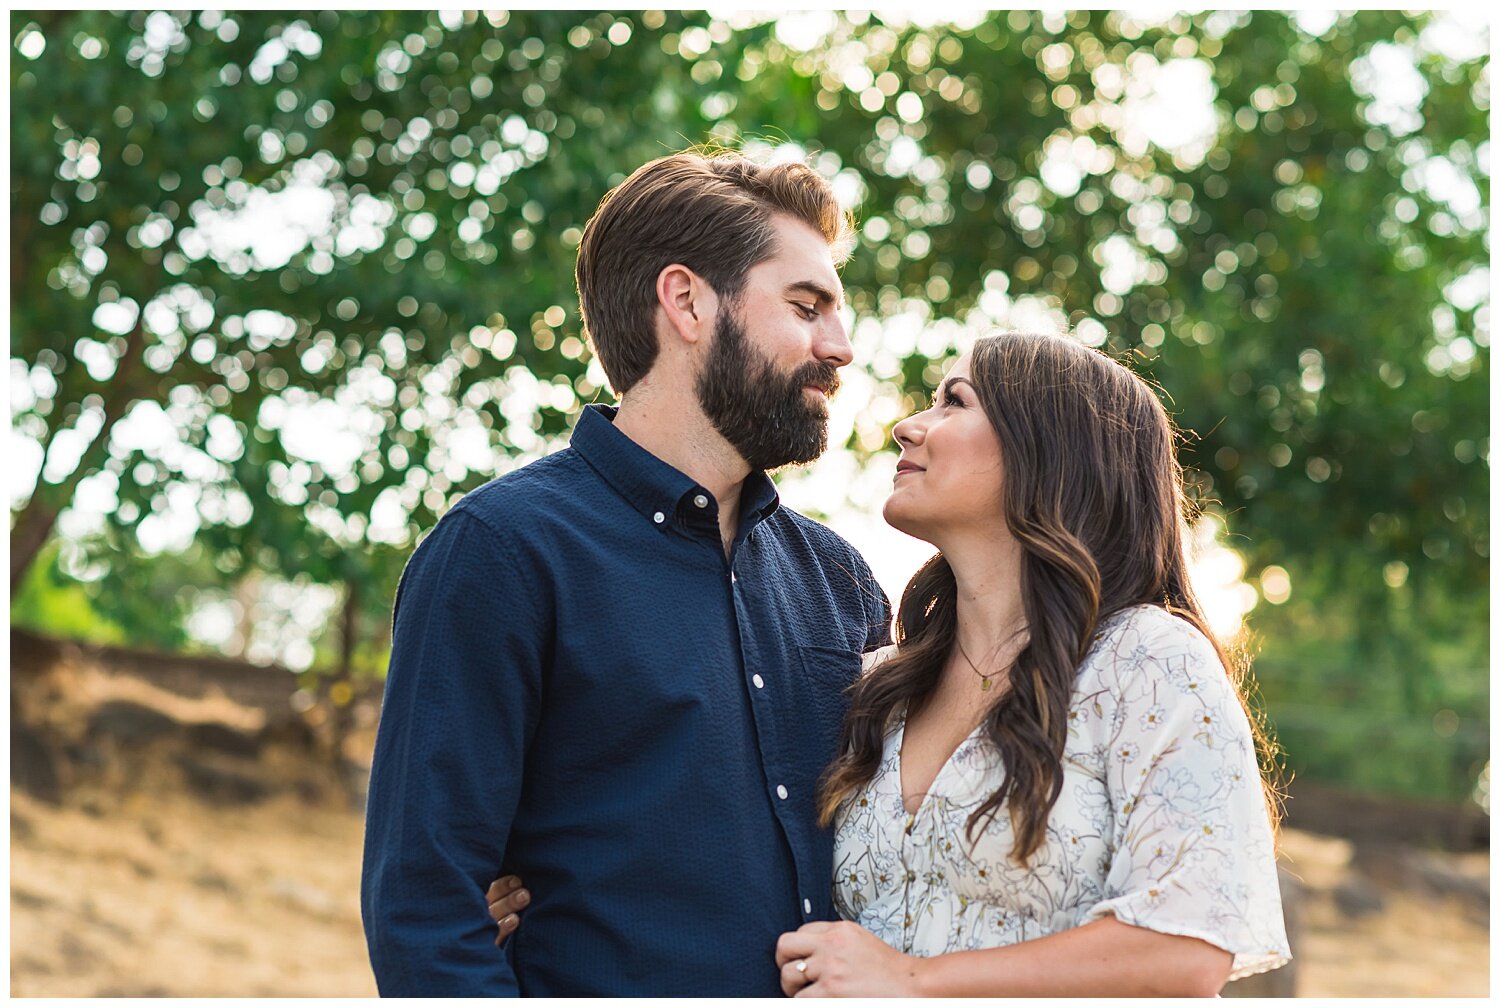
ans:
(522, 897)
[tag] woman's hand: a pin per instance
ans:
(842, 959)
(506, 899)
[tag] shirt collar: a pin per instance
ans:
(650, 485)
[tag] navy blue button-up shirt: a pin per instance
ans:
(586, 692)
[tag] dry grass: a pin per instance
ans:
(1422, 942)
(168, 896)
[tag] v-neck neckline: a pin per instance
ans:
(942, 770)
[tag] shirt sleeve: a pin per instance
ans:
(462, 698)
(1193, 852)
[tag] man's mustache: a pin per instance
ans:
(820, 375)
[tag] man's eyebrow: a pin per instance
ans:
(818, 291)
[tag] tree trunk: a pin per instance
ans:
(340, 692)
(38, 518)
(32, 530)
(247, 591)
(350, 631)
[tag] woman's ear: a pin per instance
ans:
(688, 304)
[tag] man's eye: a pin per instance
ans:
(808, 312)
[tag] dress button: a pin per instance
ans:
(807, 906)
(701, 501)
(781, 791)
(658, 517)
(758, 681)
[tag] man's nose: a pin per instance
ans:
(833, 342)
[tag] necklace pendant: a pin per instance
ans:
(984, 685)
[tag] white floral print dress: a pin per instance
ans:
(1161, 821)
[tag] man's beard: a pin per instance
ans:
(765, 414)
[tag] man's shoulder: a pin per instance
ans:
(816, 563)
(494, 518)
(515, 498)
(820, 537)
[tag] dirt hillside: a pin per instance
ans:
(163, 845)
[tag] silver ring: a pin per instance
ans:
(801, 966)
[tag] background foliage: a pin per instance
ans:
(286, 285)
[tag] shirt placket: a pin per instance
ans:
(763, 714)
(916, 865)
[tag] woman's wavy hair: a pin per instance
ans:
(1093, 494)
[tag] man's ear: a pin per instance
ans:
(688, 304)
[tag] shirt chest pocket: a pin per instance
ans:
(818, 695)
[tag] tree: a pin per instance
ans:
(1304, 286)
(1305, 275)
(425, 293)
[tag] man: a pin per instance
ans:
(618, 671)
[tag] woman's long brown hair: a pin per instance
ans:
(1093, 494)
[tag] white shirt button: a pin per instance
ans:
(758, 681)
(781, 791)
(807, 906)
(658, 517)
(701, 501)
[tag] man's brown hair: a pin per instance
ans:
(711, 211)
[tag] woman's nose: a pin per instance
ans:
(909, 431)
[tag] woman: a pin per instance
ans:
(1049, 784)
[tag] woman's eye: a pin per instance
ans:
(949, 399)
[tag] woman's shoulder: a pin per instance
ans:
(879, 656)
(1151, 625)
(1148, 641)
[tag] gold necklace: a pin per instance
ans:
(984, 680)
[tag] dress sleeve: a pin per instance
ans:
(871, 659)
(1192, 850)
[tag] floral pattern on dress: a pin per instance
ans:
(1161, 820)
